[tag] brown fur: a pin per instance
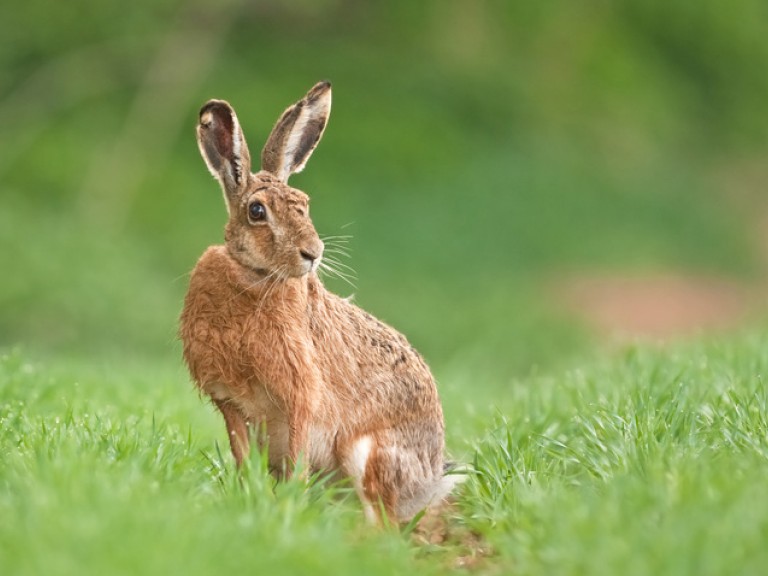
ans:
(276, 351)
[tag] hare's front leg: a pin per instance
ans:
(300, 393)
(298, 433)
(237, 429)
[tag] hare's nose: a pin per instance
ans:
(312, 252)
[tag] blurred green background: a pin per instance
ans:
(480, 153)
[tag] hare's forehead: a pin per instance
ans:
(276, 193)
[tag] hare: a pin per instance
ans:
(278, 353)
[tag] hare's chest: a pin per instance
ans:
(268, 422)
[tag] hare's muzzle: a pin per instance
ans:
(311, 255)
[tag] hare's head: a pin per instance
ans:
(269, 229)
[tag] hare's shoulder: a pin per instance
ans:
(359, 327)
(214, 287)
(217, 273)
(214, 262)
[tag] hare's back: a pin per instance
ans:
(371, 365)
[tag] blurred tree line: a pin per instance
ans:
(475, 148)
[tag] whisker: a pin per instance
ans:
(336, 237)
(341, 264)
(338, 251)
(277, 274)
(339, 239)
(179, 277)
(335, 272)
(253, 285)
(329, 245)
(334, 255)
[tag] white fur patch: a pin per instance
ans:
(294, 138)
(237, 149)
(319, 109)
(355, 464)
(358, 457)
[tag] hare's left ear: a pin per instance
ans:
(297, 132)
(223, 148)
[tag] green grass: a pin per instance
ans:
(478, 153)
(651, 463)
(644, 461)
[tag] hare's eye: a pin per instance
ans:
(256, 211)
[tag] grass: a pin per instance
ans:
(640, 462)
(478, 154)
(95, 483)
(651, 463)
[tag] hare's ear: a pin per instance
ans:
(297, 132)
(223, 147)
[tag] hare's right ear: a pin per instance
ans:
(297, 132)
(223, 148)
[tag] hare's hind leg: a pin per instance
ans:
(392, 478)
(354, 462)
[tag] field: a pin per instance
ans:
(562, 208)
(644, 462)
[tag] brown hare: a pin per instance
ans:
(277, 353)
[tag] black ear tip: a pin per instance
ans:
(318, 91)
(207, 107)
(214, 107)
(320, 88)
